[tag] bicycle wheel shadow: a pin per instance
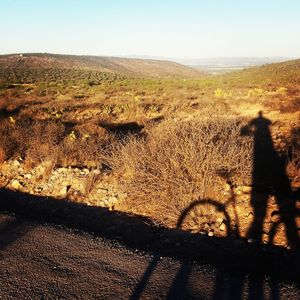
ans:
(230, 282)
(239, 269)
(139, 233)
(269, 178)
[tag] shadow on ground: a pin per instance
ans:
(237, 262)
(229, 255)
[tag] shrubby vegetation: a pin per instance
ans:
(25, 75)
(166, 141)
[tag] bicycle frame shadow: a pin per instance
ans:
(229, 283)
(138, 232)
(268, 177)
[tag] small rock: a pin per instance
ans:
(207, 226)
(16, 184)
(227, 187)
(112, 200)
(220, 220)
(275, 216)
(291, 247)
(16, 163)
(62, 170)
(246, 189)
(64, 190)
(222, 227)
(210, 233)
(252, 241)
(96, 172)
(28, 176)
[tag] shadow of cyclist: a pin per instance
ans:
(269, 178)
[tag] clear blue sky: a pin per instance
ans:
(168, 28)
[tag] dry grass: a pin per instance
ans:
(293, 166)
(190, 146)
(2, 155)
(55, 142)
(178, 163)
(90, 183)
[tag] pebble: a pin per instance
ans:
(222, 227)
(16, 163)
(16, 184)
(28, 176)
(220, 220)
(62, 170)
(246, 189)
(63, 191)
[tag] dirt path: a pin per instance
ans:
(42, 261)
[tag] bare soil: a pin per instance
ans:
(126, 257)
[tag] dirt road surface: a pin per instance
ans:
(56, 249)
(43, 261)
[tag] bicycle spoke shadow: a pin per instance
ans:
(268, 178)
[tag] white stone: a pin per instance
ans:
(28, 176)
(63, 191)
(246, 189)
(16, 163)
(220, 220)
(222, 227)
(16, 184)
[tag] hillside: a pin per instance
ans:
(17, 67)
(285, 73)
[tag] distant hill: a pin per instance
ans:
(283, 73)
(219, 65)
(17, 64)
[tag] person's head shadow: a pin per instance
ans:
(269, 178)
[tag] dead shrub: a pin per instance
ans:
(28, 137)
(84, 145)
(90, 129)
(293, 149)
(84, 152)
(179, 162)
(2, 155)
(90, 183)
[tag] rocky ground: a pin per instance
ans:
(93, 187)
(78, 185)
